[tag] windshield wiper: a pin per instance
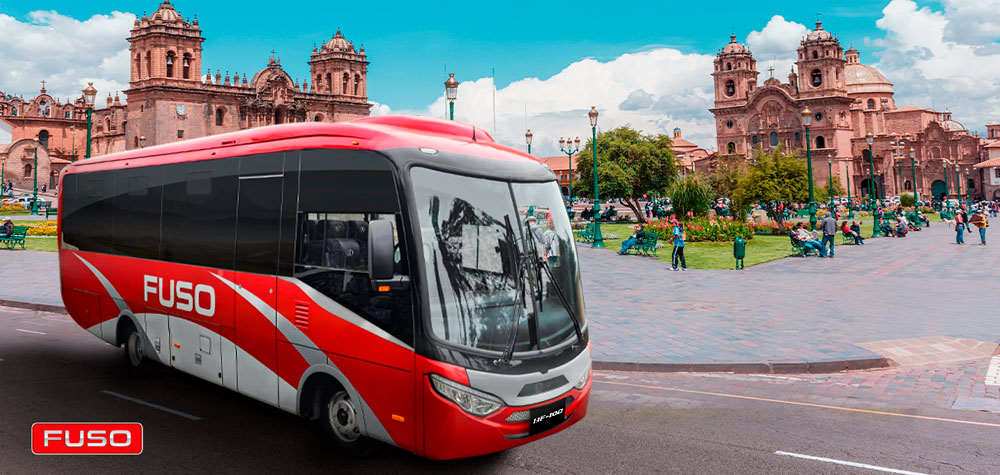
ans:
(515, 259)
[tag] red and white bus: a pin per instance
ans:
(399, 279)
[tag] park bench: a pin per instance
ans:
(16, 238)
(646, 246)
(797, 247)
(847, 238)
(50, 211)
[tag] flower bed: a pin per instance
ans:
(40, 228)
(710, 229)
(12, 208)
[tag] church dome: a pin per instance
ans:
(952, 125)
(166, 13)
(734, 47)
(862, 78)
(338, 43)
(819, 34)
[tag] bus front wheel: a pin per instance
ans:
(340, 423)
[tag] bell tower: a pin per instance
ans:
(821, 65)
(735, 74)
(165, 49)
(338, 69)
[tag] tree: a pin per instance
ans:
(630, 164)
(773, 179)
(725, 180)
(822, 190)
(691, 193)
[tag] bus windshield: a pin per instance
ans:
(472, 259)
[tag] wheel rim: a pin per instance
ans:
(134, 349)
(343, 418)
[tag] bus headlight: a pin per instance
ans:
(470, 400)
(583, 378)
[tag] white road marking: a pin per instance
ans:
(154, 406)
(993, 373)
(850, 464)
(29, 331)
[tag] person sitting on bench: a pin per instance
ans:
(807, 240)
(633, 240)
(7, 229)
(850, 232)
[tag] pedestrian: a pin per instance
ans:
(679, 237)
(829, 226)
(979, 220)
(965, 219)
(959, 229)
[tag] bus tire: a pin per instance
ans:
(135, 357)
(339, 419)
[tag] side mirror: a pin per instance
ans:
(380, 249)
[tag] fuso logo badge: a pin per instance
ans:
(86, 438)
(181, 295)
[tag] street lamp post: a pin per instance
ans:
(806, 120)
(598, 237)
(567, 146)
(34, 174)
(142, 141)
(829, 167)
(850, 202)
(944, 201)
(876, 232)
(527, 138)
(958, 184)
(968, 191)
(89, 93)
(72, 132)
(913, 171)
(451, 91)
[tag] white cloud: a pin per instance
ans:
(972, 22)
(929, 66)
(667, 88)
(65, 52)
(776, 45)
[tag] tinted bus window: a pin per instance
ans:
(68, 206)
(137, 213)
(259, 213)
(340, 192)
(199, 213)
(92, 217)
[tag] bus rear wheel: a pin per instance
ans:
(135, 352)
(339, 419)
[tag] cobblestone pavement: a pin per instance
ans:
(957, 386)
(794, 309)
(787, 311)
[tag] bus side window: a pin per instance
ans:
(340, 193)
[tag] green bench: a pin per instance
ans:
(797, 247)
(16, 238)
(586, 234)
(802, 213)
(646, 246)
(50, 211)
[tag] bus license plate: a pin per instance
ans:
(546, 417)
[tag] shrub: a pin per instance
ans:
(907, 200)
(691, 195)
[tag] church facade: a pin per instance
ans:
(169, 99)
(847, 101)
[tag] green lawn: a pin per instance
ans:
(710, 255)
(49, 244)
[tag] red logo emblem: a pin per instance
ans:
(86, 438)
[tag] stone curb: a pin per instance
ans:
(816, 367)
(39, 307)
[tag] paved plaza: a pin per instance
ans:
(794, 310)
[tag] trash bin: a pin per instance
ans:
(739, 251)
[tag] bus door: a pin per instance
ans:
(257, 235)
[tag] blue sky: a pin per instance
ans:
(647, 64)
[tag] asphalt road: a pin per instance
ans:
(55, 371)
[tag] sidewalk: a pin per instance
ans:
(791, 315)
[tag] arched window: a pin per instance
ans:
(730, 88)
(27, 171)
(187, 66)
(774, 139)
(971, 184)
(357, 85)
(729, 66)
(907, 186)
(170, 64)
(220, 114)
(798, 137)
(107, 125)
(43, 137)
(820, 142)
(871, 103)
(347, 79)
(318, 83)
(318, 118)
(817, 77)
(138, 67)
(815, 55)
(149, 64)
(329, 83)
(136, 141)
(731, 147)
(755, 140)
(935, 152)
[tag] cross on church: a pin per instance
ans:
(771, 70)
(43, 84)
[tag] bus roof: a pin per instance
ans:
(370, 133)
